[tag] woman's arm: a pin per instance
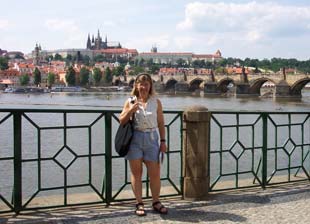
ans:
(127, 112)
(161, 126)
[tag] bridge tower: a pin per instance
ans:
(282, 89)
(243, 87)
(210, 87)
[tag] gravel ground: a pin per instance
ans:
(288, 203)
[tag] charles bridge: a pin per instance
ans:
(285, 85)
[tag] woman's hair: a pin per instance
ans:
(143, 77)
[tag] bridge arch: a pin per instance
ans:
(118, 82)
(131, 82)
(258, 83)
(223, 84)
(298, 86)
(170, 84)
(195, 84)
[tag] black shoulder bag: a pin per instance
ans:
(123, 138)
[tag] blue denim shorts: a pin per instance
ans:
(144, 145)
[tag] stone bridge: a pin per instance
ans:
(286, 85)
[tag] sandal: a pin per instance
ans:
(140, 209)
(160, 209)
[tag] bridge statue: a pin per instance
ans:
(284, 73)
(244, 75)
(212, 76)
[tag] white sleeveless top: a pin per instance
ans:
(146, 119)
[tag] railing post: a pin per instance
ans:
(108, 157)
(196, 153)
(17, 199)
(264, 152)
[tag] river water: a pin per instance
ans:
(52, 140)
(169, 101)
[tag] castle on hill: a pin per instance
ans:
(99, 44)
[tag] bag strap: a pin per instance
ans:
(131, 119)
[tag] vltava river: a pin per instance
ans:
(170, 102)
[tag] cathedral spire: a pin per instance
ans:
(88, 44)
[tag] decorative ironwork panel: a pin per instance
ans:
(288, 147)
(61, 159)
(6, 162)
(258, 149)
(235, 149)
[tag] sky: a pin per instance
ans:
(239, 29)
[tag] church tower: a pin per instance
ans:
(154, 49)
(36, 58)
(98, 41)
(88, 44)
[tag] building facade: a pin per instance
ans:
(175, 57)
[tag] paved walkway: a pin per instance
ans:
(288, 203)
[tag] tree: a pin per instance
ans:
(220, 70)
(131, 73)
(69, 57)
(18, 56)
(24, 79)
(97, 75)
(141, 62)
(84, 76)
(36, 76)
(99, 58)
(138, 70)
(58, 57)
(149, 62)
(3, 63)
(49, 58)
(154, 69)
(70, 76)
(180, 62)
(86, 60)
(107, 77)
(51, 78)
(118, 71)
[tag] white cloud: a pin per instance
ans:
(253, 21)
(145, 43)
(109, 24)
(184, 42)
(4, 23)
(61, 24)
(68, 33)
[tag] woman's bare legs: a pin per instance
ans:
(153, 170)
(136, 178)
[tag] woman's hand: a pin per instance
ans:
(133, 108)
(163, 147)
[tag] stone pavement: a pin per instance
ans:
(289, 203)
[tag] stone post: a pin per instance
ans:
(195, 153)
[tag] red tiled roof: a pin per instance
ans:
(237, 70)
(166, 53)
(117, 51)
(206, 56)
(9, 72)
(22, 65)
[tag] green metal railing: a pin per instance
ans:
(258, 149)
(55, 158)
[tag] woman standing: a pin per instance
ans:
(145, 146)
